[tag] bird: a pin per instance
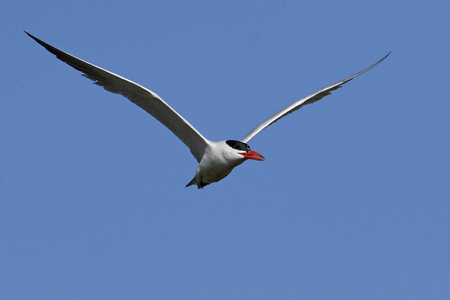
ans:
(216, 159)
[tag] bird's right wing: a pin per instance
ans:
(307, 100)
(139, 95)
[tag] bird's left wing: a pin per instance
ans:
(307, 100)
(139, 95)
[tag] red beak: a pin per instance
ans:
(252, 155)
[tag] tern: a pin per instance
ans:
(216, 159)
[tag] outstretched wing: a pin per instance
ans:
(307, 100)
(139, 95)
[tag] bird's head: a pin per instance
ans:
(243, 149)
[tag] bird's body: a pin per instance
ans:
(216, 164)
(220, 159)
(216, 159)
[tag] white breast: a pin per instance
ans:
(219, 160)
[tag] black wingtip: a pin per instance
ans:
(37, 40)
(389, 53)
(50, 48)
(32, 36)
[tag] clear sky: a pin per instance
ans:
(353, 201)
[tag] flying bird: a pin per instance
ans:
(216, 159)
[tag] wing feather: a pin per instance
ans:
(304, 101)
(139, 95)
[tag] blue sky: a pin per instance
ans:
(351, 203)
